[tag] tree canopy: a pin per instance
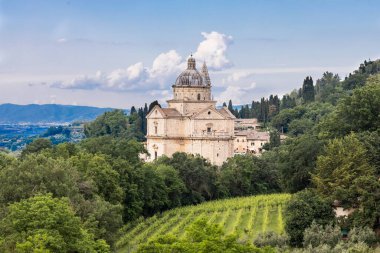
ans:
(46, 224)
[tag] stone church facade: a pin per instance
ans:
(191, 123)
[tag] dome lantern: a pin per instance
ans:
(191, 63)
(190, 76)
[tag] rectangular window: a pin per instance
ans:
(209, 130)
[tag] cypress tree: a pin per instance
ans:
(308, 93)
(133, 110)
(153, 104)
(230, 107)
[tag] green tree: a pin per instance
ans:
(308, 93)
(152, 189)
(112, 123)
(115, 148)
(371, 141)
(344, 174)
(303, 208)
(328, 88)
(359, 77)
(285, 117)
(37, 174)
(5, 160)
(344, 161)
(274, 140)
(175, 187)
(87, 180)
(244, 175)
(358, 112)
(46, 223)
(295, 160)
(153, 104)
(198, 175)
(300, 126)
(36, 146)
(287, 102)
(100, 172)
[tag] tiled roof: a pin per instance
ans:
(225, 112)
(171, 112)
(254, 135)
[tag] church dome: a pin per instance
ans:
(191, 76)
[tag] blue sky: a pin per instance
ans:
(123, 53)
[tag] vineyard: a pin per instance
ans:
(246, 216)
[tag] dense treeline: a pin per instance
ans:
(76, 197)
(104, 183)
(332, 150)
(328, 89)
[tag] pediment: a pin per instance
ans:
(208, 113)
(156, 113)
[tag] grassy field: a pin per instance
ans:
(246, 216)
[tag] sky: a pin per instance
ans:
(121, 53)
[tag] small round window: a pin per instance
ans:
(209, 112)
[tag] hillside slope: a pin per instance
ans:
(246, 216)
(49, 113)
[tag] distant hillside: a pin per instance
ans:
(49, 113)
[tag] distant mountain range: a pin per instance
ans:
(49, 113)
(52, 113)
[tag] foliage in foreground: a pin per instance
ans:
(46, 224)
(318, 238)
(272, 239)
(201, 237)
(316, 235)
(342, 247)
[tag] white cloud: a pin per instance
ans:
(62, 40)
(284, 70)
(161, 95)
(237, 76)
(234, 93)
(166, 65)
(81, 82)
(238, 93)
(160, 75)
(126, 79)
(213, 50)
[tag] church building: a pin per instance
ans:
(191, 122)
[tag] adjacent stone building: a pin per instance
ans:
(191, 123)
(250, 142)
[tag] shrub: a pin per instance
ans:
(339, 248)
(317, 235)
(362, 234)
(271, 239)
